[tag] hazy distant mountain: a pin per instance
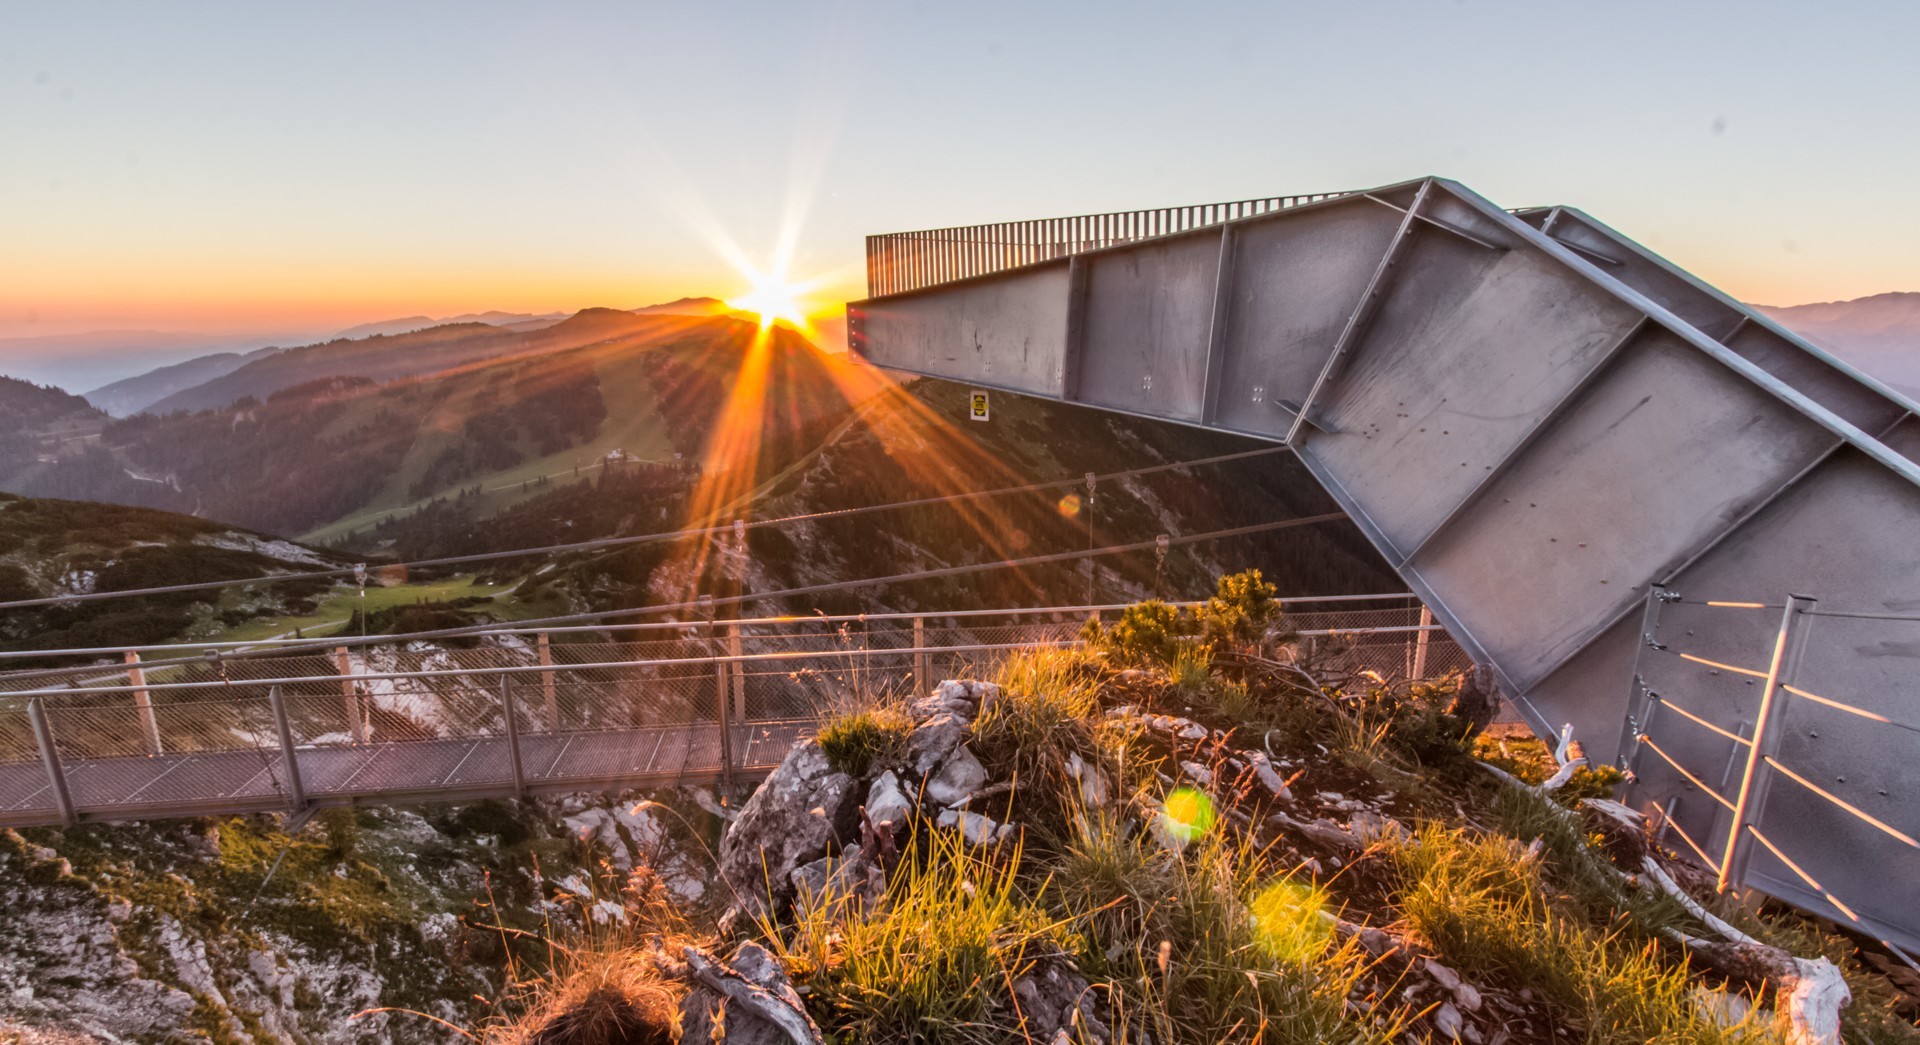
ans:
(100, 357)
(409, 324)
(130, 396)
(1878, 334)
(687, 307)
(381, 357)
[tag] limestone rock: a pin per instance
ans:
(975, 828)
(1057, 1003)
(752, 980)
(887, 801)
(933, 740)
(960, 776)
(1094, 791)
(800, 814)
(847, 884)
(1268, 776)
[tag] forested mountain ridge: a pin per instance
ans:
(53, 548)
(39, 423)
(309, 456)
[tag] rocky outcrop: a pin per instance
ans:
(805, 811)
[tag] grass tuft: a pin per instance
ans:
(1483, 905)
(855, 741)
(937, 964)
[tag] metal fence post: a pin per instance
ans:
(1421, 643)
(350, 694)
(1753, 784)
(547, 690)
(921, 668)
(149, 725)
(296, 793)
(513, 734)
(739, 672)
(720, 703)
(50, 757)
(1642, 701)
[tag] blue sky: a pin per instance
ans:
(229, 167)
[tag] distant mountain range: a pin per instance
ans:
(102, 357)
(170, 387)
(1878, 334)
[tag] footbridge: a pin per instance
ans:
(294, 725)
(1649, 511)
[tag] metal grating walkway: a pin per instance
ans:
(418, 770)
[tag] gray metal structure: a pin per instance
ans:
(1536, 421)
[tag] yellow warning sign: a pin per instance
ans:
(977, 406)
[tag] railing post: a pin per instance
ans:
(296, 793)
(720, 701)
(739, 672)
(1752, 795)
(350, 694)
(513, 734)
(50, 757)
(1641, 700)
(921, 666)
(1421, 642)
(547, 690)
(149, 725)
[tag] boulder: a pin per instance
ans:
(959, 777)
(747, 1001)
(1057, 1003)
(844, 885)
(804, 811)
(932, 741)
(887, 801)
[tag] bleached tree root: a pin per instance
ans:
(1809, 994)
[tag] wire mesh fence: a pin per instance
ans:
(1766, 771)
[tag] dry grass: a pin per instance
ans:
(607, 996)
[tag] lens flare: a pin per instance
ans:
(774, 298)
(1186, 816)
(1289, 923)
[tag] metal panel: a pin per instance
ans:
(1425, 410)
(1557, 549)
(1296, 280)
(1008, 331)
(1830, 382)
(1149, 313)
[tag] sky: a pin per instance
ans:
(275, 168)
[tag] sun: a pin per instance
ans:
(773, 298)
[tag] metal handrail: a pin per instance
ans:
(899, 262)
(510, 629)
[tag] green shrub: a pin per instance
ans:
(1148, 632)
(1240, 612)
(856, 741)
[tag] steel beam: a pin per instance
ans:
(1363, 311)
